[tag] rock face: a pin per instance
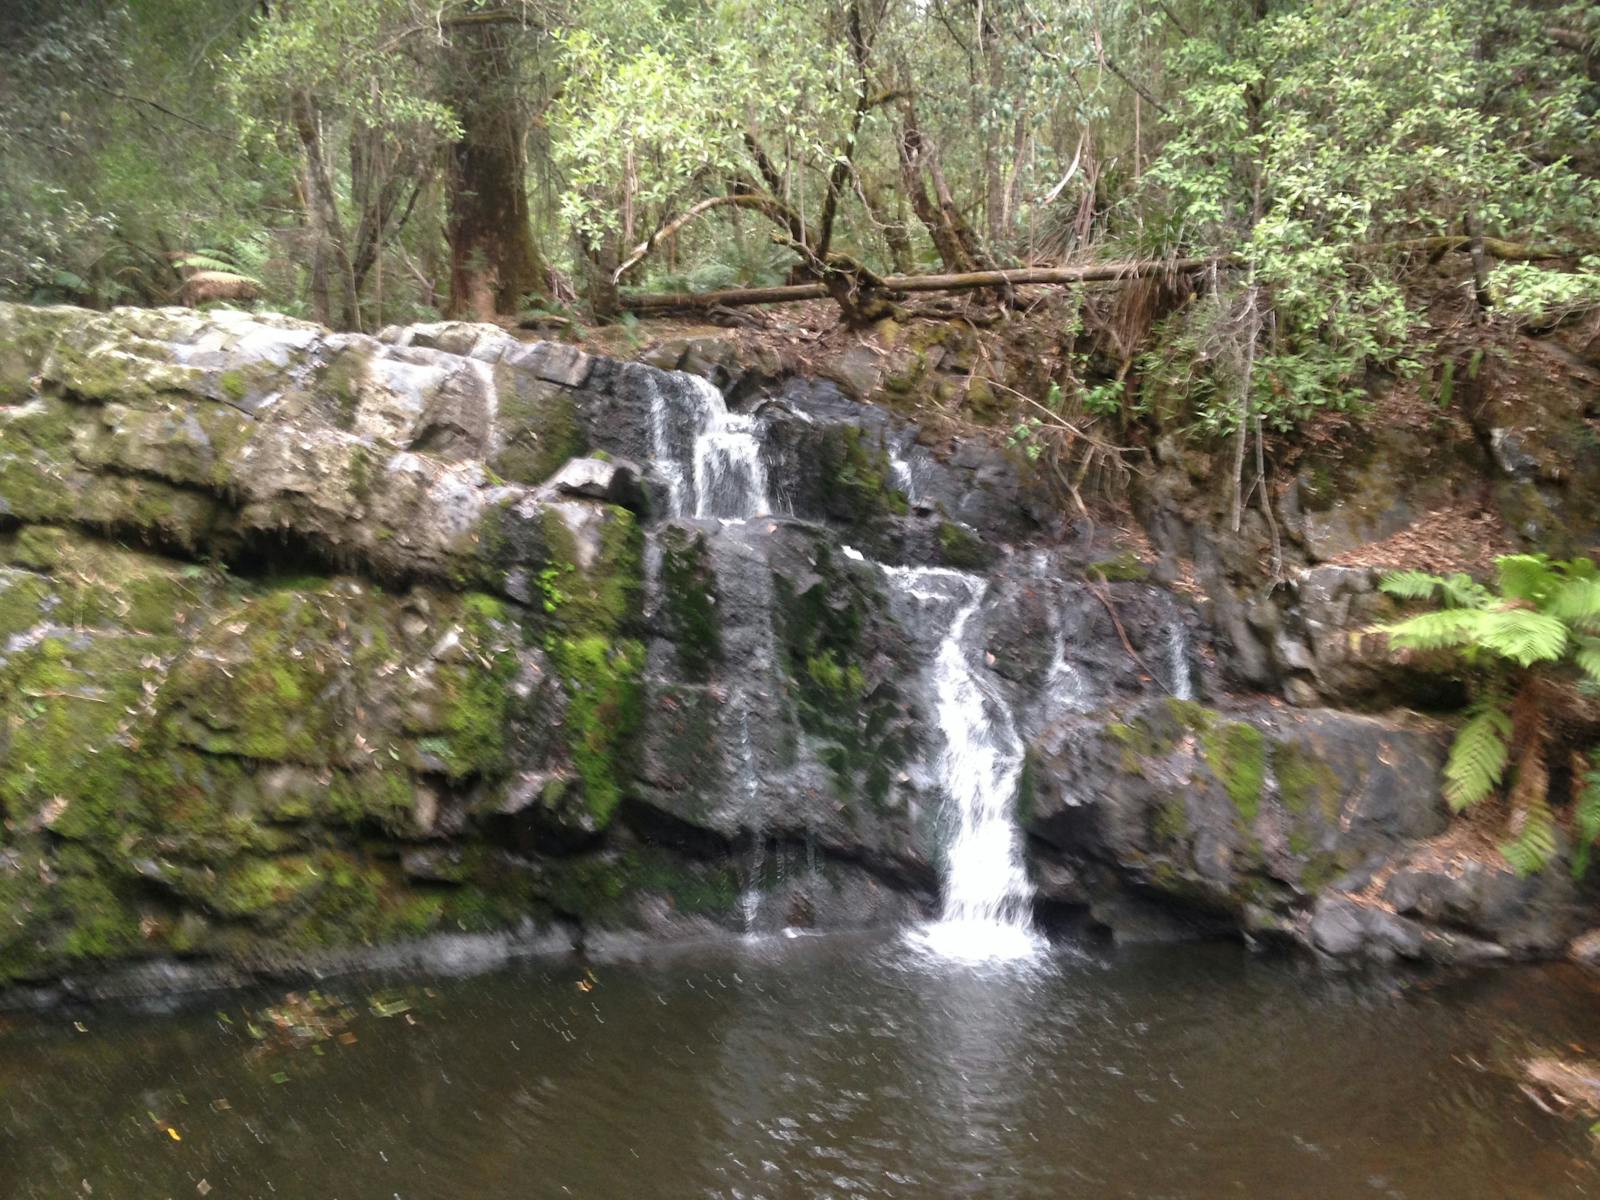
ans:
(312, 642)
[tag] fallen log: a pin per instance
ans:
(1109, 272)
(965, 281)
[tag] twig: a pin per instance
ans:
(1122, 634)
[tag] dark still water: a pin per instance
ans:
(814, 1067)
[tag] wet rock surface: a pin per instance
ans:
(312, 643)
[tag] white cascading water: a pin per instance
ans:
(710, 458)
(985, 910)
(1178, 662)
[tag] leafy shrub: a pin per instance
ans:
(1526, 644)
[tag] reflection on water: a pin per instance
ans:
(813, 1067)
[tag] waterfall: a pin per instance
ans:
(985, 911)
(709, 457)
(1178, 661)
(750, 896)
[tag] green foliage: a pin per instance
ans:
(1478, 756)
(1304, 139)
(1535, 844)
(1534, 631)
(1533, 294)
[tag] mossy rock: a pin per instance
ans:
(963, 550)
(27, 333)
(1122, 568)
(834, 628)
(1237, 755)
(93, 583)
(855, 480)
(540, 426)
(605, 890)
(74, 756)
(688, 601)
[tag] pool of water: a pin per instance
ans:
(813, 1067)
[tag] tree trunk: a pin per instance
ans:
(494, 262)
(330, 257)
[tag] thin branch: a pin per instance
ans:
(754, 200)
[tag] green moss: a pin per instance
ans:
(1172, 821)
(24, 601)
(48, 425)
(823, 630)
(1124, 567)
(363, 475)
(604, 707)
(601, 889)
(856, 480)
(94, 584)
(233, 385)
(961, 549)
(32, 490)
(385, 797)
(1192, 716)
(837, 682)
(605, 596)
(264, 888)
(477, 691)
(1320, 872)
(1028, 787)
(263, 690)
(540, 424)
(72, 749)
(1306, 784)
(1237, 756)
(343, 381)
(688, 588)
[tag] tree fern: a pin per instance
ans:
(1587, 656)
(1411, 585)
(1535, 843)
(1577, 602)
(1463, 591)
(1522, 635)
(1526, 577)
(1449, 627)
(1478, 756)
(208, 260)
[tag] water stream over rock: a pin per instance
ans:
(986, 897)
(710, 457)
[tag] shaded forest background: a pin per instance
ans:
(1285, 175)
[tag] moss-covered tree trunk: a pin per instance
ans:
(494, 261)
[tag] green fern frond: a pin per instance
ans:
(1586, 820)
(1587, 656)
(203, 260)
(1522, 635)
(1411, 585)
(1478, 757)
(1526, 577)
(1436, 630)
(1577, 602)
(1463, 591)
(1533, 847)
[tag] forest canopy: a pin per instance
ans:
(368, 161)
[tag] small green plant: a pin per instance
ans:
(549, 587)
(1025, 438)
(1531, 645)
(1105, 399)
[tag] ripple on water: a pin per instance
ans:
(822, 1066)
